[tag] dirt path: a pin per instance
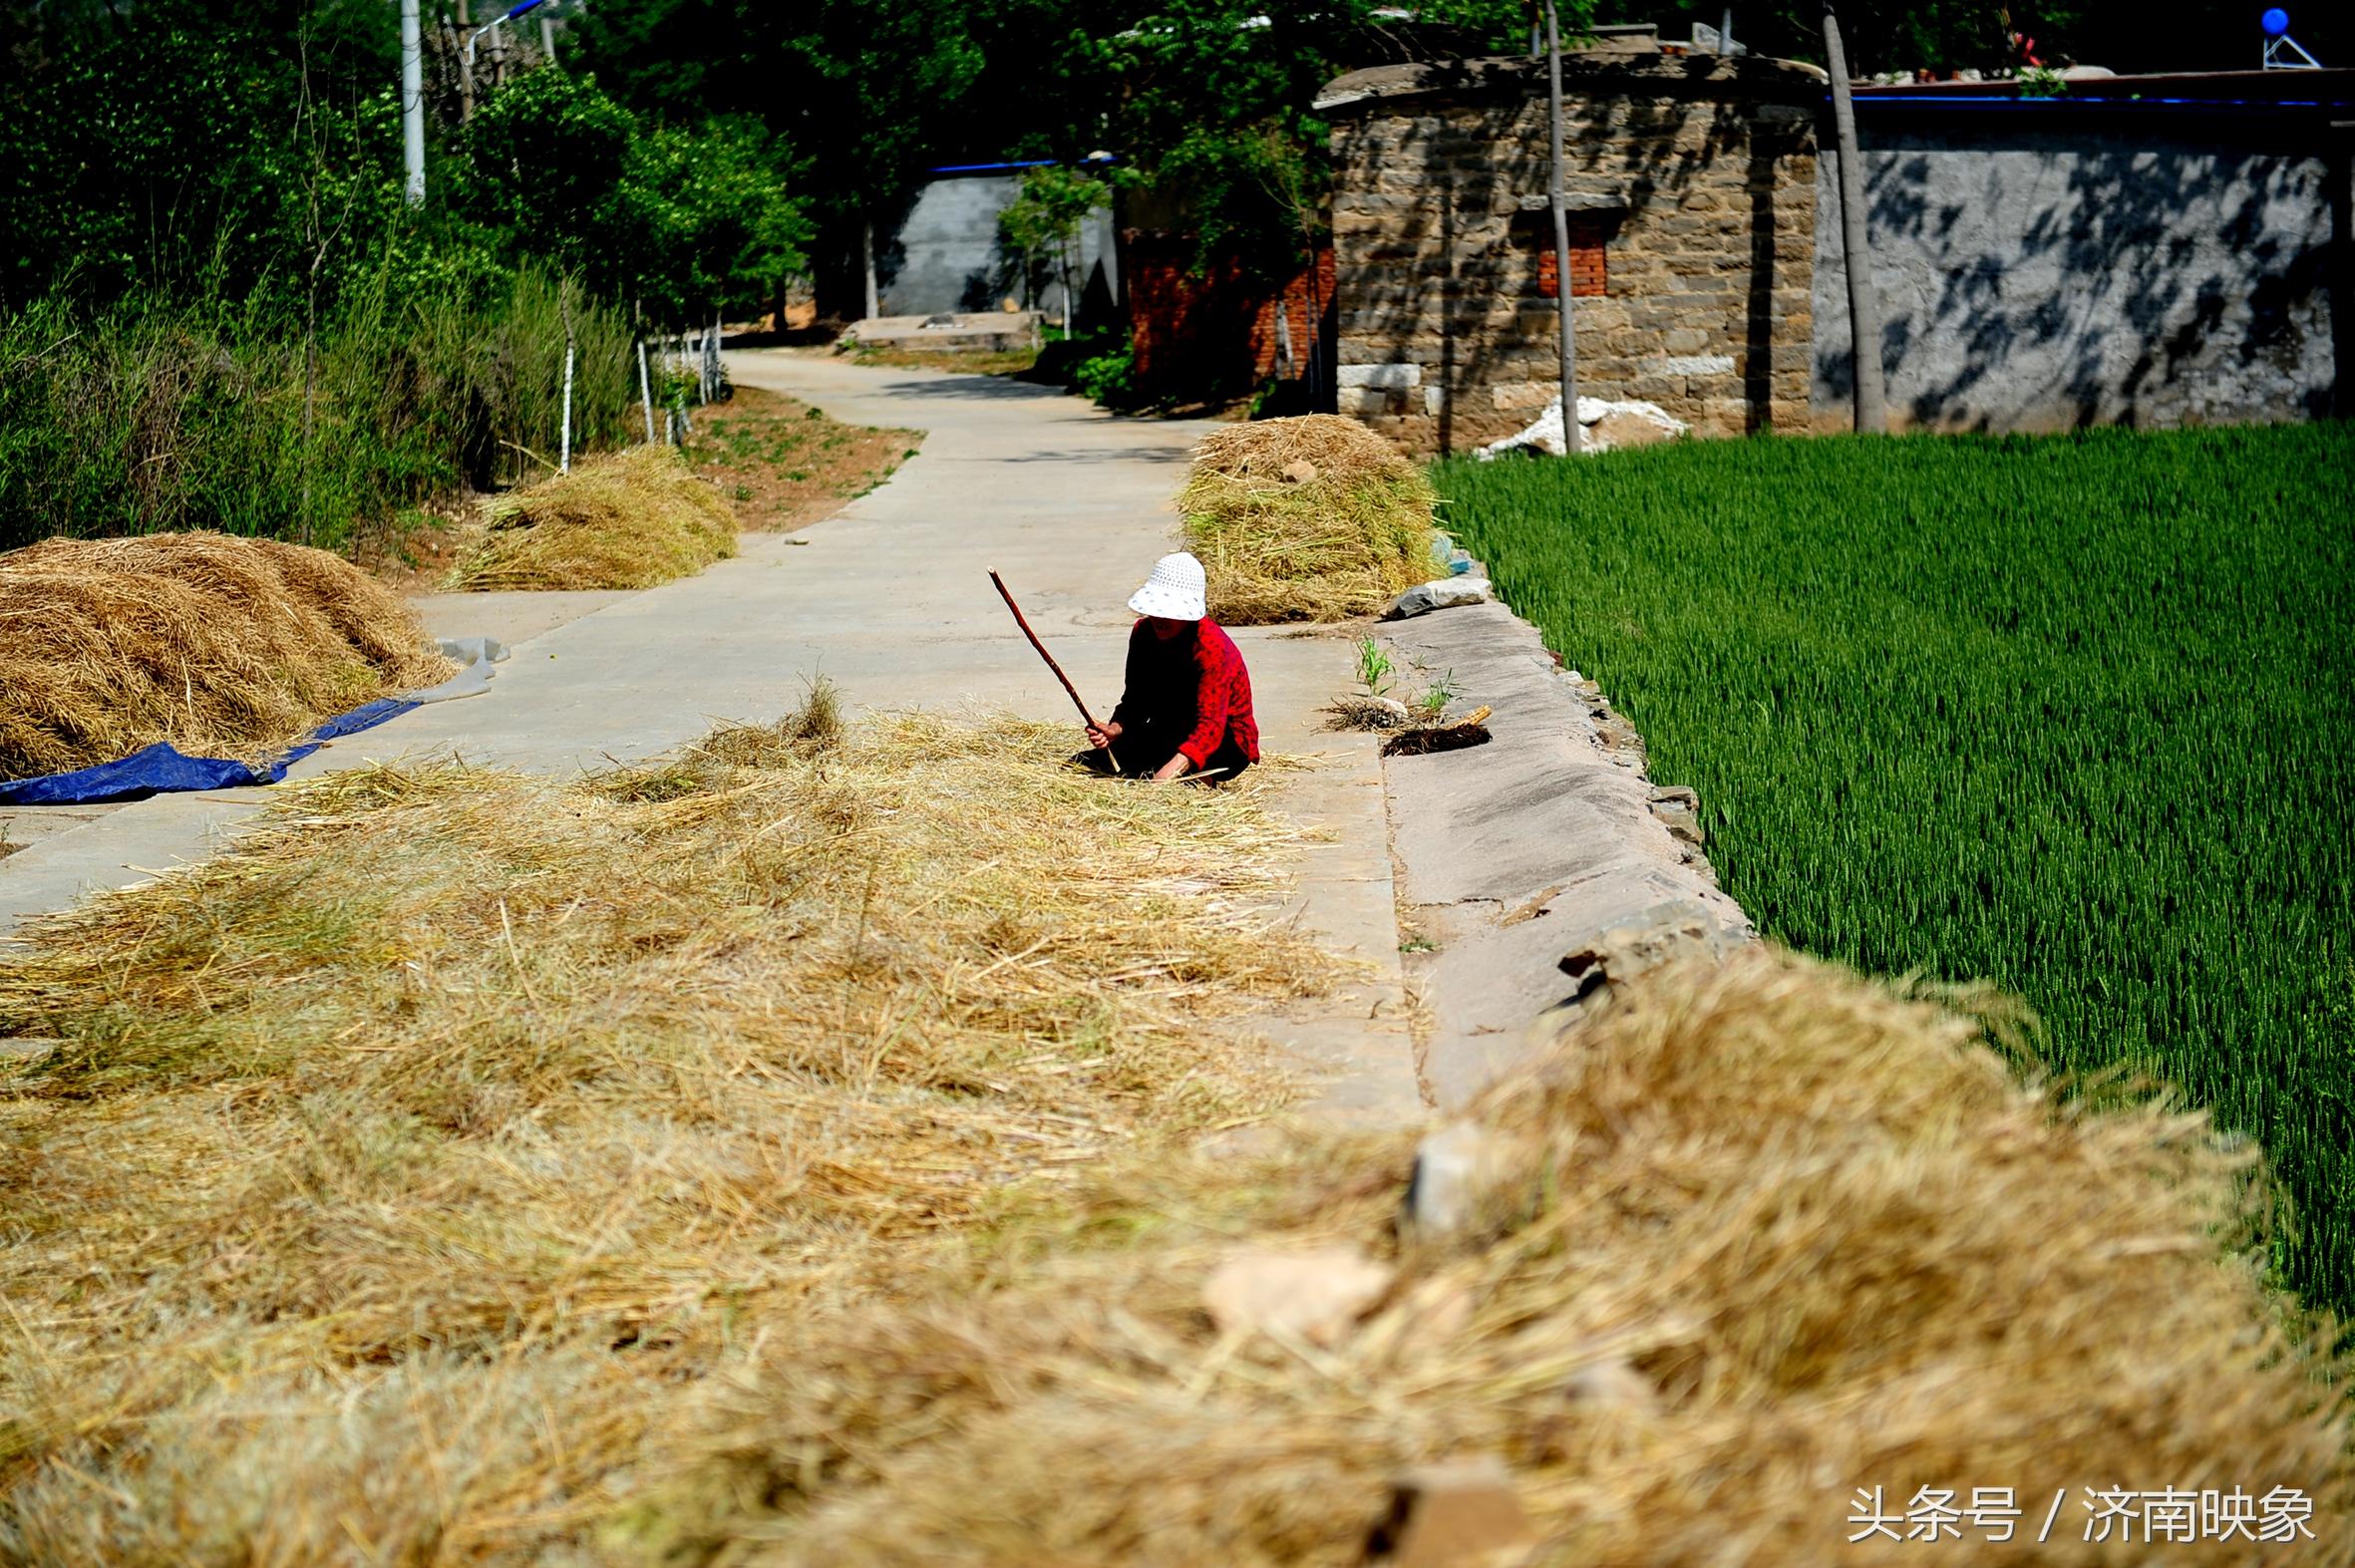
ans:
(890, 600)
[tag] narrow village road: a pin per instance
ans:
(890, 600)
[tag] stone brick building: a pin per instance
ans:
(1692, 191)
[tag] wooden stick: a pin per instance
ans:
(1071, 690)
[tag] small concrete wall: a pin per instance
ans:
(2042, 267)
(947, 256)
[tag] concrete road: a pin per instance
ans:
(891, 599)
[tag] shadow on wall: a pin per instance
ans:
(2046, 274)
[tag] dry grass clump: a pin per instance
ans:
(225, 646)
(1260, 451)
(629, 520)
(400, 1175)
(1762, 1235)
(1338, 537)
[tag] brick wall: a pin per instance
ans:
(1692, 185)
(1306, 304)
(1217, 330)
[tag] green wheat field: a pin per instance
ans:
(2071, 714)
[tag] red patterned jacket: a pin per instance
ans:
(1195, 685)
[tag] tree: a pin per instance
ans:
(172, 144)
(1048, 216)
(679, 219)
(858, 87)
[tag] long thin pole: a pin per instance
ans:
(1072, 691)
(564, 458)
(412, 101)
(645, 392)
(1570, 435)
(1863, 307)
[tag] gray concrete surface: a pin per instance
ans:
(1517, 853)
(115, 846)
(2040, 268)
(511, 617)
(891, 599)
(947, 256)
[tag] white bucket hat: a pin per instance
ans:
(1175, 591)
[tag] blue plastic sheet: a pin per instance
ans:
(161, 769)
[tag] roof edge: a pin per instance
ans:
(1738, 75)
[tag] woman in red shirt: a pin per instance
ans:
(1186, 709)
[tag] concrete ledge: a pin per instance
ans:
(1526, 852)
(979, 332)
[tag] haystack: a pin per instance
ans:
(1761, 1246)
(1260, 451)
(629, 520)
(1314, 518)
(225, 647)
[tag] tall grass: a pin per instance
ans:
(149, 415)
(2071, 714)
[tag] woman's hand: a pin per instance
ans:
(1101, 735)
(1177, 767)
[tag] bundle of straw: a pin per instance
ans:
(629, 520)
(222, 646)
(1314, 518)
(1261, 451)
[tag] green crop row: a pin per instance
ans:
(2071, 713)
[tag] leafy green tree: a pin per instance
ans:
(858, 86)
(178, 144)
(716, 230)
(1047, 218)
(679, 219)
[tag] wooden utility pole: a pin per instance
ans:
(460, 37)
(1570, 435)
(1863, 308)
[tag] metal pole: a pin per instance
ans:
(645, 392)
(1863, 307)
(412, 101)
(1570, 435)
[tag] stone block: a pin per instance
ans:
(1523, 395)
(1393, 377)
(1460, 1173)
(1692, 364)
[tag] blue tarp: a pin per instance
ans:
(161, 769)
